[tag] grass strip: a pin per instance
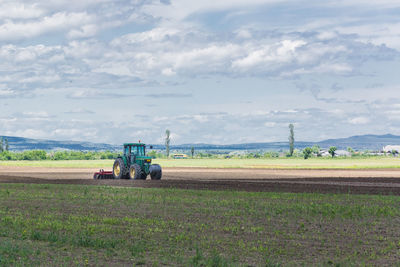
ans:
(270, 163)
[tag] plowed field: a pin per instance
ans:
(379, 181)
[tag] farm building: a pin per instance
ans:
(342, 153)
(180, 156)
(391, 148)
(338, 153)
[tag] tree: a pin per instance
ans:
(316, 150)
(291, 139)
(167, 141)
(350, 150)
(307, 152)
(1, 145)
(192, 151)
(7, 146)
(332, 150)
(152, 154)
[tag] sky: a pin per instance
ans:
(218, 72)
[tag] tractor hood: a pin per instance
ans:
(144, 158)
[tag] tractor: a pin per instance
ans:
(133, 164)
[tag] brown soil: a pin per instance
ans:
(385, 181)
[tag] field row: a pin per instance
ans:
(272, 163)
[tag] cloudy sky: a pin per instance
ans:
(221, 71)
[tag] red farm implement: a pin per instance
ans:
(102, 174)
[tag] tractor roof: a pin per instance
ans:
(134, 144)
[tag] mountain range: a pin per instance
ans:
(358, 142)
(21, 143)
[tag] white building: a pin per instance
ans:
(338, 153)
(342, 153)
(391, 148)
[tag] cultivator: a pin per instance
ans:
(133, 164)
(102, 174)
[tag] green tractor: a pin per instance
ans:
(134, 164)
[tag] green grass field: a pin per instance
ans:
(272, 163)
(64, 225)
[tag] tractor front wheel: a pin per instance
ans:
(155, 172)
(135, 172)
(119, 169)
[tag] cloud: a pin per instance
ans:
(180, 9)
(69, 134)
(171, 52)
(80, 111)
(376, 33)
(10, 31)
(13, 10)
(270, 124)
(217, 128)
(88, 30)
(89, 93)
(156, 52)
(282, 52)
(7, 92)
(248, 55)
(70, 5)
(359, 120)
(169, 95)
(16, 53)
(383, 4)
(36, 114)
(28, 133)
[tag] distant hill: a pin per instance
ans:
(359, 142)
(20, 143)
(273, 146)
(363, 142)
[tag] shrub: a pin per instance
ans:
(307, 152)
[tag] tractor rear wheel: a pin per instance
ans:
(155, 172)
(119, 169)
(135, 172)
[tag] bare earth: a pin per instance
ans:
(379, 181)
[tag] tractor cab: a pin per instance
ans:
(136, 149)
(136, 153)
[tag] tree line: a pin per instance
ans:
(81, 155)
(56, 155)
